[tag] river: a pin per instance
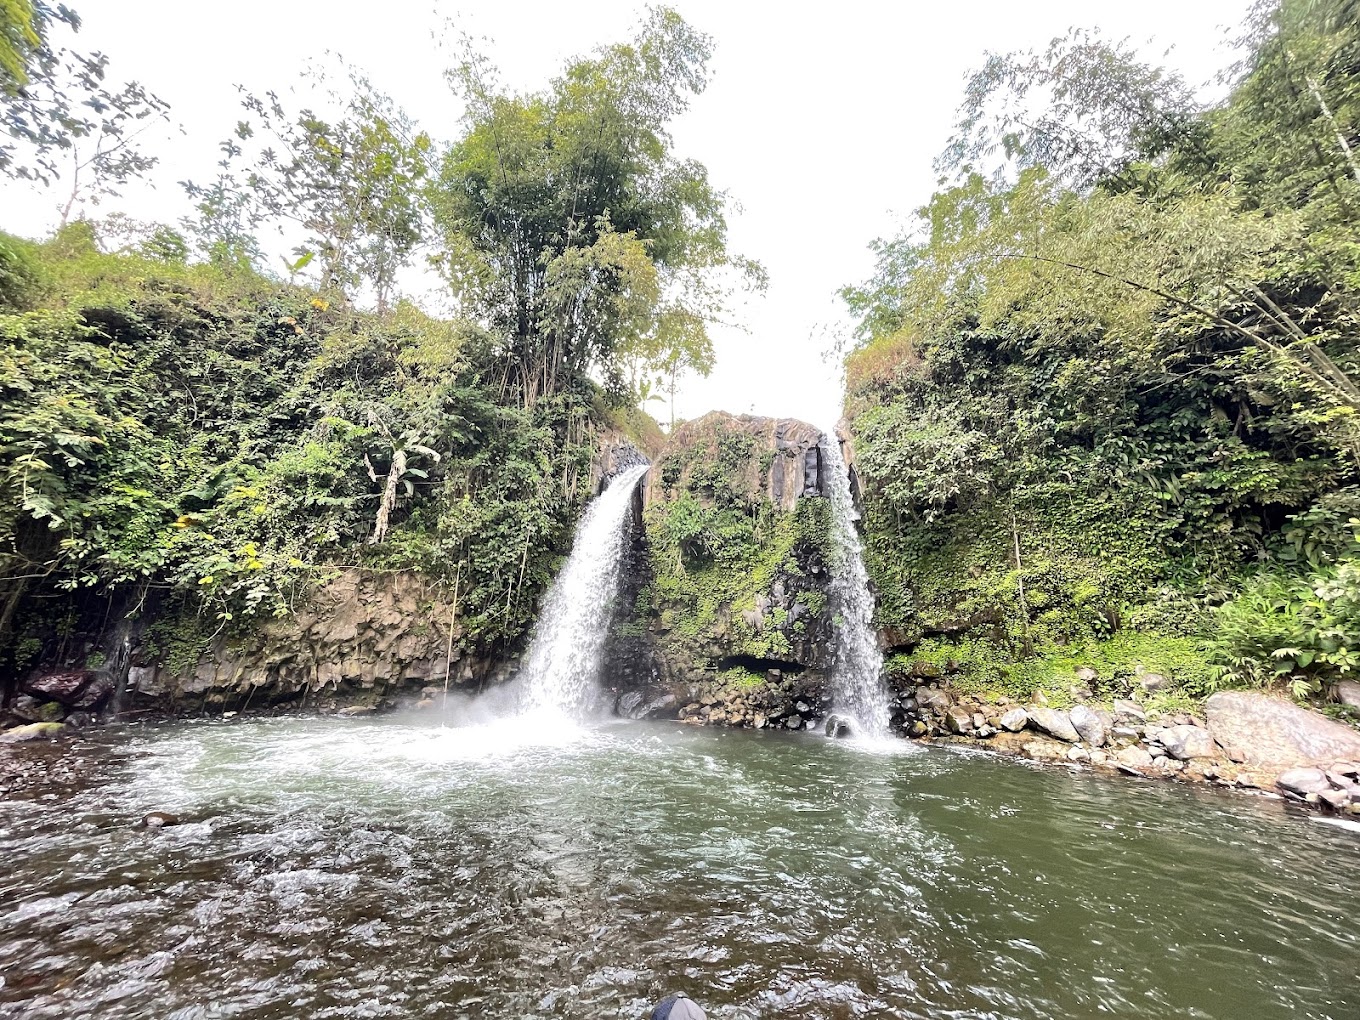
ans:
(395, 868)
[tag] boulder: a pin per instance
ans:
(1151, 682)
(1015, 720)
(1129, 712)
(1302, 782)
(1186, 742)
(76, 688)
(33, 731)
(932, 699)
(1134, 757)
(1089, 726)
(30, 709)
(1268, 732)
(1347, 692)
(1054, 723)
(959, 720)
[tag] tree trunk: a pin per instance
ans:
(389, 497)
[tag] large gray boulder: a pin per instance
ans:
(1089, 725)
(1054, 723)
(933, 699)
(1269, 732)
(1302, 782)
(1186, 742)
(1015, 720)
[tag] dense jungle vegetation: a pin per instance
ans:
(1105, 390)
(188, 435)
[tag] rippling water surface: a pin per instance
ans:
(387, 869)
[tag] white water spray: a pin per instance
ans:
(857, 666)
(568, 642)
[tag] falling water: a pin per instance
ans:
(564, 656)
(857, 666)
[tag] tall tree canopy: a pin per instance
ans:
(1148, 306)
(569, 225)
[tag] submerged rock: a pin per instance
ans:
(33, 731)
(838, 726)
(1054, 723)
(157, 820)
(1268, 732)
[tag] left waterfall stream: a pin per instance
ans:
(563, 663)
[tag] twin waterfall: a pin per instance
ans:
(857, 668)
(568, 642)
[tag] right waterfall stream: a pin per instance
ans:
(857, 689)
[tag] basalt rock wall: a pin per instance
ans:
(724, 616)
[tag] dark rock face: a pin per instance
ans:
(1269, 733)
(726, 579)
(363, 638)
(790, 447)
(79, 688)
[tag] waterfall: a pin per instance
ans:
(564, 655)
(856, 674)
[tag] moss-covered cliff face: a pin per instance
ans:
(727, 599)
(207, 476)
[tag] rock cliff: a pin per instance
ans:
(726, 616)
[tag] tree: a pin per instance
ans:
(1085, 109)
(67, 119)
(351, 183)
(18, 39)
(569, 226)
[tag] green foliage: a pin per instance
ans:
(570, 226)
(215, 443)
(18, 39)
(68, 120)
(353, 184)
(1303, 629)
(979, 665)
(1103, 389)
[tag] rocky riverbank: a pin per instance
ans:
(1241, 740)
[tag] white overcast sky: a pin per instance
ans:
(821, 120)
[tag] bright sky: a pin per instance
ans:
(821, 121)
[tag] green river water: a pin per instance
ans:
(395, 868)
